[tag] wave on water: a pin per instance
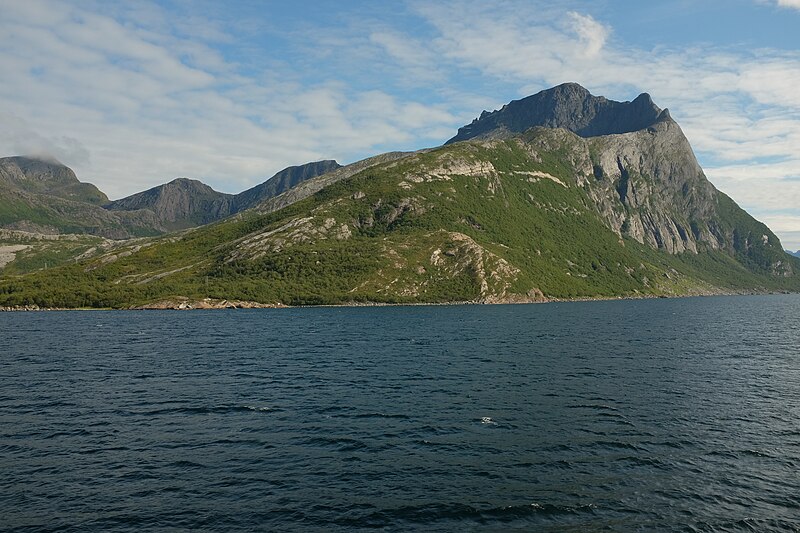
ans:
(430, 514)
(204, 410)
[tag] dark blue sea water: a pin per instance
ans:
(652, 415)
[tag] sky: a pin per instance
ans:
(134, 94)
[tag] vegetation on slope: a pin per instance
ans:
(467, 222)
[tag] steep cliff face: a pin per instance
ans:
(648, 186)
(640, 171)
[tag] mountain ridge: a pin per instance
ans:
(45, 196)
(569, 106)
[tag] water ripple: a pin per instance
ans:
(669, 415)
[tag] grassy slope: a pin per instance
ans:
(545, 234)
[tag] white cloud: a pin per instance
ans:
(17, 134)
(152, 105)
(592, 34)
(795, 4)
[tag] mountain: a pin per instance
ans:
(503, 217)
(48, 177)
(182, 203)
(796, 254)
(567, 106)
(281, 182)
(44, 196)
(186, 203)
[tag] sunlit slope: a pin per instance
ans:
(539, 216)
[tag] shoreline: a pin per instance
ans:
(208, 304)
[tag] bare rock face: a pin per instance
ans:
(179, 204)
(567, 106)
(638, 168)
(648, 185)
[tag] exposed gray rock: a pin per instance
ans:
(648, 185)
(567, 106)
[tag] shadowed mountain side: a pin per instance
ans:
(185, 203)
(281, 182)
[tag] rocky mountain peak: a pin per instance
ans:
(569, 106)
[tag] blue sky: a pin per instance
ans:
(133, 94)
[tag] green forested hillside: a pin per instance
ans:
(519, 219)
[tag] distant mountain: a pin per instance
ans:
(49, 177)
(567, 106)
(548, 213)
(796, 254)
(186, 203)
(182, 203)
(45, 196)
(281, 182)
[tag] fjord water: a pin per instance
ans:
(644, 415)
